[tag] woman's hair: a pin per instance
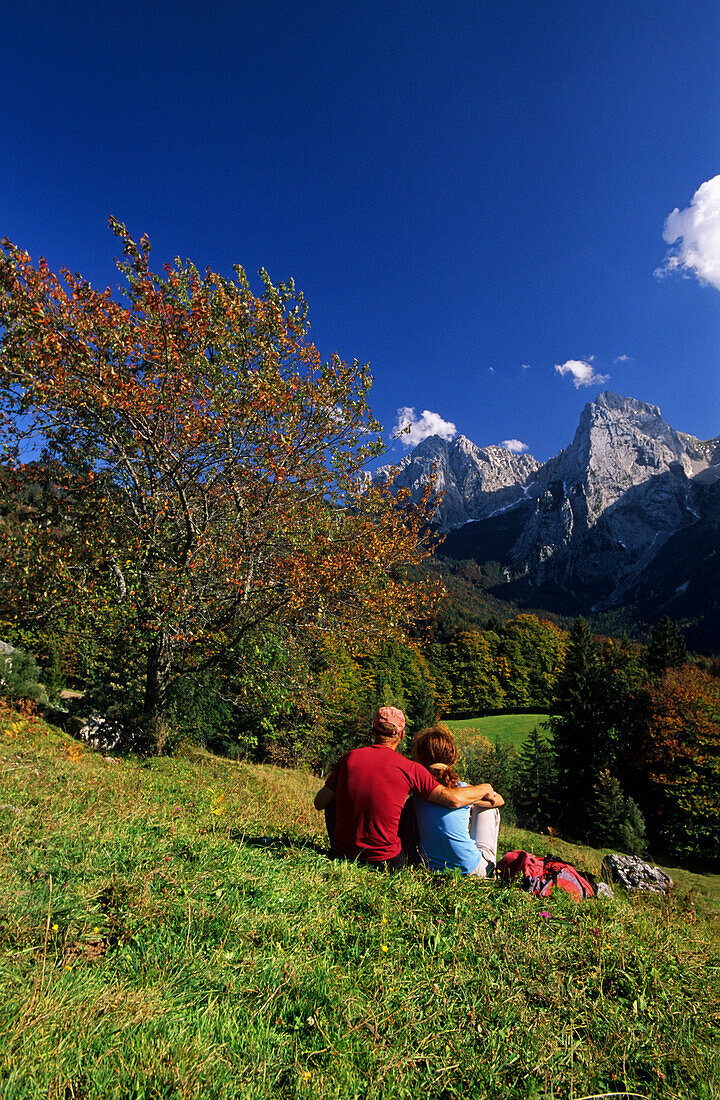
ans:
(436, 745)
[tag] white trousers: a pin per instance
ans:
(484, 829)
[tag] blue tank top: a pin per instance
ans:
(444, 836)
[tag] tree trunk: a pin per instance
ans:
(157, 680)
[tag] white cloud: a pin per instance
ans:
(491, 370)
(514, 446)
(583, 374)
(421, 427)
(525, 366)
(697, 233)
(623, 359)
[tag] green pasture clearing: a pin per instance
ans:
(173, 928)
(505, 729)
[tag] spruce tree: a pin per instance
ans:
(615, 821)
(535, 782)
(584, 741)
(667, 648)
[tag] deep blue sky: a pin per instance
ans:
(460, 188)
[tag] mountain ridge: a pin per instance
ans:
(588, 524)
(473, 480)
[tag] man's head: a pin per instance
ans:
(389, 724)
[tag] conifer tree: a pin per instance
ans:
(535, 782)
(615, 821)
(667, 647)
(584, 744)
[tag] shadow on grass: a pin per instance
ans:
(279, 843)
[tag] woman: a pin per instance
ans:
(464, 839)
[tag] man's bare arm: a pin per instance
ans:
(323, 798)
(455, 797)
(483, 804)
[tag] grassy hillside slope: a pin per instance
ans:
(172, 929)
(505, 729)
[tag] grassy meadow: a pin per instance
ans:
(503, 729)
(172, 928)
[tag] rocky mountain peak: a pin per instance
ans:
(474, 481)
(588, 520)
(627, 406)
(610, 500)
(433, 446)
(620, 443)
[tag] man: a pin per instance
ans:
(367, 790)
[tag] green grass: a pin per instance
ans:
(506, 729)
(171, 930)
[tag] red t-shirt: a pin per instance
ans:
(371, 786)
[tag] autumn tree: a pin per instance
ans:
(535, 649)
(397, 674)
(512, 665)
(681, 759)
(468, 663)
(40, 559)
(202, 462)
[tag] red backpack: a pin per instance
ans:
(542, 875)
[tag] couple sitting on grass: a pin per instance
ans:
(370, 818)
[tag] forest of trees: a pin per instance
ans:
(630, 758)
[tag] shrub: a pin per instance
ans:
(483, 762)
(20, 676)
